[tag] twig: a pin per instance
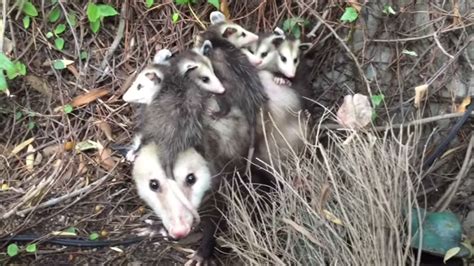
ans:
(435, 36)
(312, 33)
(448, 195)
(4, 21)
(57, 200)
(421, 37)
(196, 17)
(118, 37)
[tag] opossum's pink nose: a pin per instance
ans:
(258, 62)
(179, 231)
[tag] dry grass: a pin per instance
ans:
(365, 181)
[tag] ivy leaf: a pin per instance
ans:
(175, 17)
(12, 250)
(59, 43)
(54, 15)
(71, 230)
(350, 15)
(5, 62)
(26, 22)
(31, 125)
(72, 19)
(94, 236)
(83, 55)
(296, 32)
(49, 34)
(377, 99)
(215, 3)
(60, 28)
(149, 3)
(182, 2)
(95, 26)
(18, 115)
(19, 69)
(107, 11)
(92, 12)
(59, 64)
(31, 248)
(3, 82)
(68, 108)
(29, 9)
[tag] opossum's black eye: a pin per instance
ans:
(190, 179)
(243, 34)
(154, 184)
(264, 54)
(295, 60)
(283, 58)
(250, 50)
(205, 79)
(139, 86)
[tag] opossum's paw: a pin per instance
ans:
(195, 259)
(282, 81)
(151, 230)
(131, 155)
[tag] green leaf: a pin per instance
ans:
(12, 250)
(30, 9)
(288, 24)
(95, 26)
(19, 69)
(59, 43)
(26, 22)
(49, 34)
(3, 82)
(5, 62)
(296, 32)
(377, 99)
(59, 64)
(60, 28)
(31, 125)
(94, 236)
(71, 230)
(18, 115)
(92, 12)
(182, 2)
(83, 55)
(72, 19)
(350, 15)
(54, 15)
(451, 253)
(68, 108)
(54, 1)
(387, 9)
(31, 248)
(215, 3)
(411, 53)
(149, 3)
(175, 17)
(107, 11)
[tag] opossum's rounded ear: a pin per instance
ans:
(229, 31)
(277, 41)
(162, 57)
(153, 76)
(216, 17)
(206, 47)
(305, 46)
(188, 67)
(279, 31)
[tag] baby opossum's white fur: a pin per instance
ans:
(234, 33)
(174, 201)
(282, 124)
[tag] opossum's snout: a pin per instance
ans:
(181, 227)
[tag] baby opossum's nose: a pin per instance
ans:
(178, 232)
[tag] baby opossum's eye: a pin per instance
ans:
(283, 58)
(264, 54)
(205, 79)
(295, 60)
(250, 50)
(139, 86)
(154, 184)
(190, 179)
(243, 34)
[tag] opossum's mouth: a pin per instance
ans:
(280, 75)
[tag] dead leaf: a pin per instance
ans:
(225, 8)
(39, 84)
(451, 253)
(356, 5)
(105, 158)
(331, 217)
(82, 169)
(21, 146)
(38, 159)
(456, 14)
(355, 112)
(420, 93)
(463, 105)
(50, 150)
(88, 97)
(87, 145)
(105, 127)
(73, 70)
(325, 193)
(30, 158)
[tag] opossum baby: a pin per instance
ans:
(230, 31)
(193, 64)
(237, 74)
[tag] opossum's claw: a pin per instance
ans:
(195, 259)
(282, 81)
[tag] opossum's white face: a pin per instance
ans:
(253, 59)
(288, 56)
(234, 33)
(200, 70)
(266, 51)
(175, 201)
(145, 87)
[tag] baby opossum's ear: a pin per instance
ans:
(206, 48)
(228, 32)
(188, 67)
(305, 46)
(277, 41)
(279, 31)
(153, 76)
(216, 17)
(162, 57)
